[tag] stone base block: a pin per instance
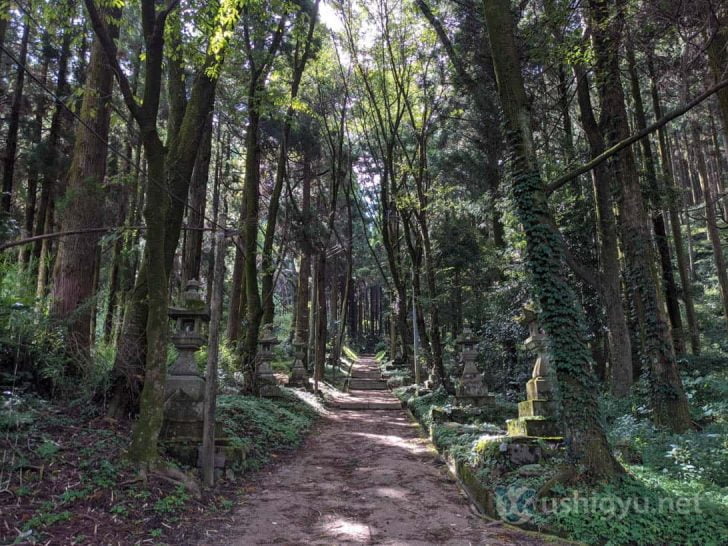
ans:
(481, 401)
(535, 408)
(270, 391)
(457, 414)
(542, 427)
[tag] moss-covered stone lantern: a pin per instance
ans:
(471, 389)
(264, 378)
(537, 414)
(299, 376)
(185, 387)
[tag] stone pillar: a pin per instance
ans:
(299, 377)
(264, 378)
(537, 414)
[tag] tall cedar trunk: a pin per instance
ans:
(673, 208)
(304, 269)
(11, 139)
(321, 318)
(251, 197)
(655, 194)
(429, 265)
(217, 181)
(345, 297)
(711, 220)
(620, 346)
(669, 403)
(389, 224)
(83, 209)
(51, 168)
(237, 293)
(120, 277)
(718, 54)
(561, 316)
(34, 166)
(197, 202)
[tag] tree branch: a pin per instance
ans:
(562, 180)
(109, 47)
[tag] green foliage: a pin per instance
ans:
(173, 502)
(44, 519)
(263, 425)
(639, 512)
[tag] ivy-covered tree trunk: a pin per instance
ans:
(73, 287)
(669, 403)
(561, 316)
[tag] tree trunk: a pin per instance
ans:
(620, 346)
(11, 139)
(251, 197)
(669, 403)
(718, 54)
(711, 220)
(673, 204)
(655, 193)
(561, 316)
(73, 288)
(196, 210)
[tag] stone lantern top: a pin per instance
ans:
(192, 296)
(267, 338)
(467, 339)
(299, 347)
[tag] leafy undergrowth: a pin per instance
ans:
(675, 492)
(64, 478)
(263, 426)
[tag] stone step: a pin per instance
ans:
(367, 384)
(363, 405)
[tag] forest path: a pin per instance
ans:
(362, 477)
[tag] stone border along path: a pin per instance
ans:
(362, 477)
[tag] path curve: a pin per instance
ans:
(362, 477)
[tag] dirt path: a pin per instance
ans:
(363, 477)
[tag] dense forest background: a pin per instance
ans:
(357, 172)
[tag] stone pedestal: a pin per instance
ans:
(264, 378)
(471, 389)
(299, 376)
(537, 414)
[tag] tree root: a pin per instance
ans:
(177, 477)
(565, 475)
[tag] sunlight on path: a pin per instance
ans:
(363, 477)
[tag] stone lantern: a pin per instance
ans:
(264, 378)
(471, 388)
(299, 376)
(185, 387)
(537, 414)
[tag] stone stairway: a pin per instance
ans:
(367, 390)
